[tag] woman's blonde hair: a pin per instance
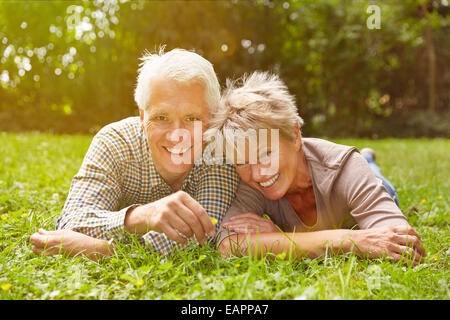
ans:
(260, 100)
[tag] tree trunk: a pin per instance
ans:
(431, 55)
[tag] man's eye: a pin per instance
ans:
(160, 118)
(192, 119)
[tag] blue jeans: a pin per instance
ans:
(386, 183)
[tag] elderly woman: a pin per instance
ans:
(317, 191)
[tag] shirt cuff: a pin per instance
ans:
(116, 223)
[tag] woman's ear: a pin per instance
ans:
(297, 137)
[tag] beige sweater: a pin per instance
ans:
(347, 194)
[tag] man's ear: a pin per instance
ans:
(141, 116)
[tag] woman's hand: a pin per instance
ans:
(250, 223)
(69, 242)
(402, 243)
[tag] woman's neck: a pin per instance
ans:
(302, 181)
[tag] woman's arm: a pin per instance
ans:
(365, 196)
(301, 244)
(400, 242)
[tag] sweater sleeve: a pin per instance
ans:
(365, 196)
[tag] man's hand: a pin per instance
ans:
(250, 223)
(69, 242)
(400, 242)
(172, 215)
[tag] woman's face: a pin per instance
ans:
(281, 157)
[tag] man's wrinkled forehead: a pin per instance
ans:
(167, 95)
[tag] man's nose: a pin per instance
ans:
(176, 124)
(177, 132)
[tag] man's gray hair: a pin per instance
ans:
(260, 100)
(180, 65)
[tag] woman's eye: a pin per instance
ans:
(193, 119)
(265, 154)
(160, 118)
(265, 157)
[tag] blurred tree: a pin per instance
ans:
(70, 66)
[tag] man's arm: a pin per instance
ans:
(173, 215)
(92, 206)
(71, 243)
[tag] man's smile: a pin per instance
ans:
(177, 151)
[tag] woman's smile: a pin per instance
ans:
(269, 183)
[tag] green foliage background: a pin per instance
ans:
(71, 66)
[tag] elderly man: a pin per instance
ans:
(138, 178)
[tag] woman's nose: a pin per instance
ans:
(256, 172)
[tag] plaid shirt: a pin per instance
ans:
(118, 173)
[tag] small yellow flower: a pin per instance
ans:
(423, 200)
(436, 257)
(439, 197)
(237, 265)
(139, 283)
(6, 286)
(214, 220)
(24, 215)
(4, 216)
(281, 256)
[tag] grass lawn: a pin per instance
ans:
(35, 175)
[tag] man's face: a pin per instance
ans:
(174, 106)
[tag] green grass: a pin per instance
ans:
(35, 175)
